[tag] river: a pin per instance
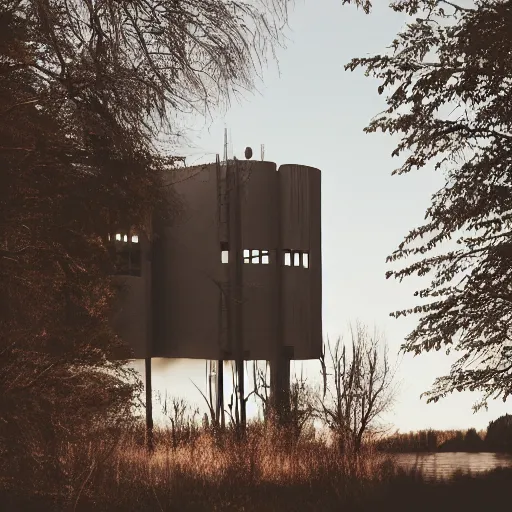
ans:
(444, 465)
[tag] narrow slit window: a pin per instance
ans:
(265, 260)
(293, 258)
(224, 252)
(247, 256)
(255, 256)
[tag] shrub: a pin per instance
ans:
(499, 434)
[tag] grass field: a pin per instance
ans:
(263, 472)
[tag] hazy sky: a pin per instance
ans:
(313, 113)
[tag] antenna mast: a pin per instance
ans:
(225, 144)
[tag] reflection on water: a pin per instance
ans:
(444, 465)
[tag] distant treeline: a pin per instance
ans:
(497, 438)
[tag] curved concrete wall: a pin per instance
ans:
(300, 189)
(259, 231)
(131, 320)
(190, 270)
(206, 309)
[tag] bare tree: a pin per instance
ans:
(300, 410)
(183, 419)
(261, 386)
(237, 400)
(357, 386)
(140, 62)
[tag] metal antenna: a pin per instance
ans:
(225, 144)
(262, 152)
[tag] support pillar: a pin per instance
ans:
(280, 388)
(149, 406)
(220, 394)
(241, 390)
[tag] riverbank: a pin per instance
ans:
(497, 438)
(260, 473)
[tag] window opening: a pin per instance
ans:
(296, 258)
(224, 252)
(257, 256)
(126, 253)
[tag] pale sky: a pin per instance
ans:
(313, 113)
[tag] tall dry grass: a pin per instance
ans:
(213, 472)
(264, 471)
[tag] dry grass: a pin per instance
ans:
(264, 472)
(212, 472)
(261, 460)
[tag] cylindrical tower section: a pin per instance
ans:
(131, 318)
(191, 269)
(259, 233)
(301, 260)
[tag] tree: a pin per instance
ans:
(472, 441)
(56, 382)
(85, 88)
(499, 434)
(140, 62)
(358, 386)
(298, 414)
(448, 74)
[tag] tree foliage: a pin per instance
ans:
(85, 88)
(499, 434)
(448, 79)
(144, 60)
(56, 186)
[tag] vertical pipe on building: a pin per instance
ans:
(149, 406)
(239, 295)
(220, 393)
(150, 303)
(235, 282)
(223, 237)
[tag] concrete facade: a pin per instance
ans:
(237, 275)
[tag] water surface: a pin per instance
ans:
(444, 465)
